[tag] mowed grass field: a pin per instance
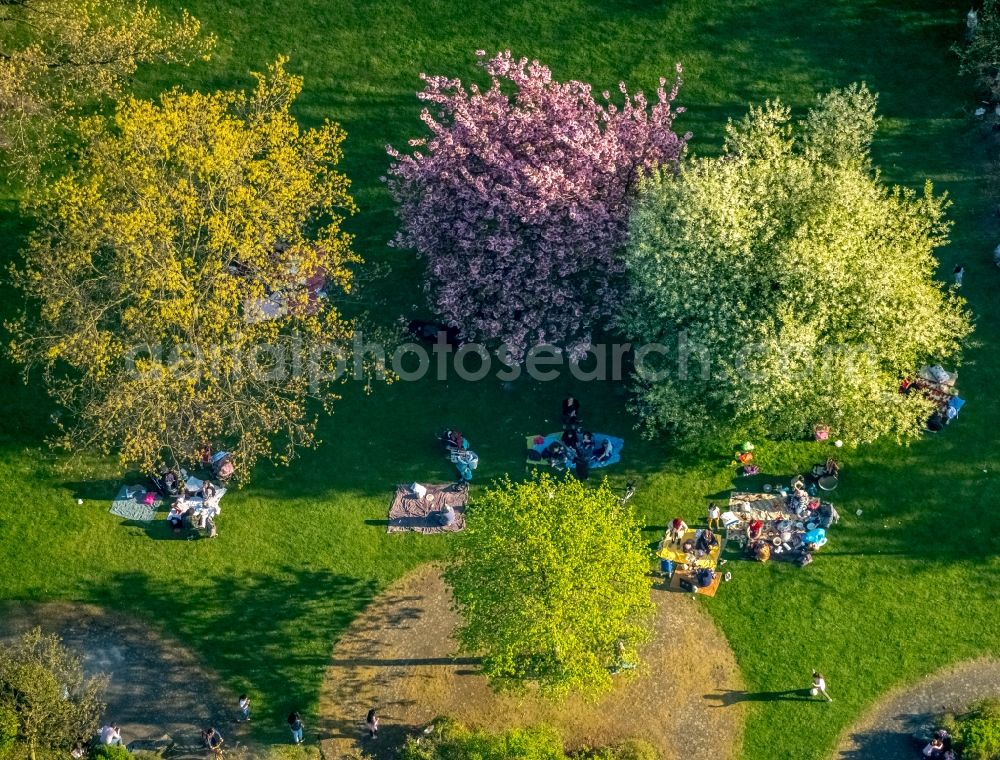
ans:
(900, 591)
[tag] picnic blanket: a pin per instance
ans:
(407, 512)
(126, 504)
(759, 506)
(538, 444)
(193, 485)
(675, 553)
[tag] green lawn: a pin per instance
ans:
(902, 590)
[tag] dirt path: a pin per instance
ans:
(884, 733)
(399, 657)
(157, 688)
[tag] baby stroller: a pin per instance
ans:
(465, 461)
(168, 483)
(222, 466)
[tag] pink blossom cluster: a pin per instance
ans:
(518, 200)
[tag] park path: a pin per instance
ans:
(400, 657)
(157, 691)
(885, 732)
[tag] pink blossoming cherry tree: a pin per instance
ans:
(518, 200)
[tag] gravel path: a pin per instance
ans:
(885, 732)
(157, 692)
(400, 657)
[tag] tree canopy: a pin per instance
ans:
(518, 200)
(551, 578)
(787, 284)
(58, 57)
(43, 686)
(980, 55)
(176, 278)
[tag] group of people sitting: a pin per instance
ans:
(576, 448)
(170, 481)
(184, 516)
(703, 542)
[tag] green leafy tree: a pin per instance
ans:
(173, 278)
(979, 57)
(59, 57)
(788, 286)
(43, 685)
(551, 578)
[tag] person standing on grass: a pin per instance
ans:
(714, 516)
(371, 722)
(296, 726)
(959, 273)
(570, 411)
(244, 705)
(819, 686)
(676, 531)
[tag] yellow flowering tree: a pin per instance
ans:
(177, 279)
(58, 56)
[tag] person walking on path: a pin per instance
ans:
(214, 741)
(714, 516)
(296, 726)
(819, 686)
(371, 723)
(959, 273)
(244, 706)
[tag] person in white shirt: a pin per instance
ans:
(819, 686)
(714, 516)
(110, 736)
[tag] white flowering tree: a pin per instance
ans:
(788, 284)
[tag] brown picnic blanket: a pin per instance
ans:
(407, 512)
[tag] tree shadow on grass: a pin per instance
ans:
(269, 635)
(101, 489)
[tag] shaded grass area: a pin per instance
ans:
(900, 591)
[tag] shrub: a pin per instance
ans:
(977, 733)
(636, 749)
(453, 741)
(112, 753)
(633, 749)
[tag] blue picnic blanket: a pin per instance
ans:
(617, 444)
(127, 504)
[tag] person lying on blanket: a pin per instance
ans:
(446, 517)
(603, 452)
